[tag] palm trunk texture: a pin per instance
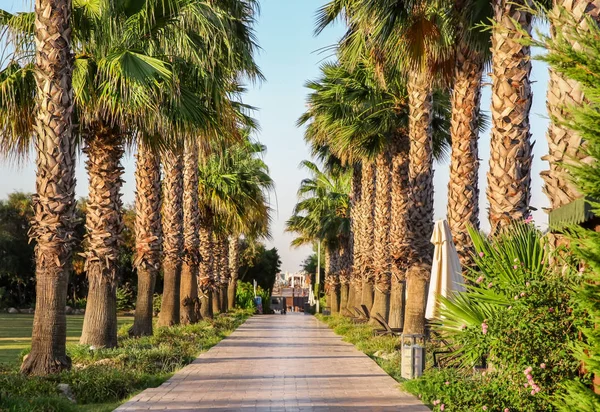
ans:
(54, 201)
(172, 237)
(356, 222)
(381, 256)
(148, 236)
(509, 176)
(420, 215)
(367, 233)
(234, 258)
(191, 241)
(205, 270)
(463, 190)
(399, 239)
(345, 272)
(104, 224)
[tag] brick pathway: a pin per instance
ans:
(279, 363)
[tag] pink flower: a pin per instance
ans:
(533, 392)
(442, 407)
(516, 297)
(506, 410)
(550, 310)
(436, 402)
(490, 285)
(447, 383)
(528, 219)
(481, 254)
(515, 267)
(543, 365)
(484, 408)
(527, 284)
(529, 377)
(463, 326)
(525, 385)
(581, 269)
(522, 294)
(537, 389)
(510, 307)
(479, 279)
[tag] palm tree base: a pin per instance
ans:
(169, 308)
(142, 324)
(396, 316)
(100, 322)
(381, 304)
(414, 317)
(367, 295)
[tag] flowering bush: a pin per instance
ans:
(516, 316)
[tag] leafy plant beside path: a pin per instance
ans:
(102, 378)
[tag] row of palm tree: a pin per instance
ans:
(161, 76)
(406, 86)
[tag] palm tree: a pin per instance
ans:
(234, 183)
(351, 112)
(148, 233)
(322, 213)
(509, 176)
(50, 81)
(471, 56)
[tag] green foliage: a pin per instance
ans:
(517, 315)
(125, 297)
(258, 263)
(110, 375)
(574, 51)
(245, 296)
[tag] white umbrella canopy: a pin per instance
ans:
(446, 271)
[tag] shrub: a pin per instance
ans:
(516, 314)
(125, 297)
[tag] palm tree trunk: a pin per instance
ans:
(191, 241)
(381, 255)
(331, 278)
(356, 222)
(399, 239)
(367, 233)
(345, 272)
(234, 252)
(216, 271)
(564, 144)
(205, 269)
(463, 190)
(173, 240)
(104, 223)
(420, 215)
(148, 233)
(225, 273)
(509, 177)
(54, 201)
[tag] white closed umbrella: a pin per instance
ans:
(311, 297)
(446, 272)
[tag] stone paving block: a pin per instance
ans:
(288, 363)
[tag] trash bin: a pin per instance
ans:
(413, 356)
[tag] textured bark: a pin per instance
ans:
(399, 239)
(381, 255)
(234, 252)
(104, 224)
(509, 176)
(216, 271)
(420, 214)
(356, 223)
(205, 269)
(148, 236)
(367, 233)
(345, 271)
(225, 273)
(565, 145)
(54, 201)
(332, 285)
(172, 237)
(463, 190)
(191, 241)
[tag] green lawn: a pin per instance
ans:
(15, 333)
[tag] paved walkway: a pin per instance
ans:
(279, 363)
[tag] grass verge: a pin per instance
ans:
(102, 379)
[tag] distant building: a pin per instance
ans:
(291, 290)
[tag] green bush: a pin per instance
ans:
(110, 375)
(516, 314)
(245, 296)
(125, 298)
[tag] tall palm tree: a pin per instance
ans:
(509, 176)
(413, 38)
(322, 213)
(471, 56)
(148, 233)
(358, 118)
(49, 79)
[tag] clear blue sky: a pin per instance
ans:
(290, 55)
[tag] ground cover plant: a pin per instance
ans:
(100, 379)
